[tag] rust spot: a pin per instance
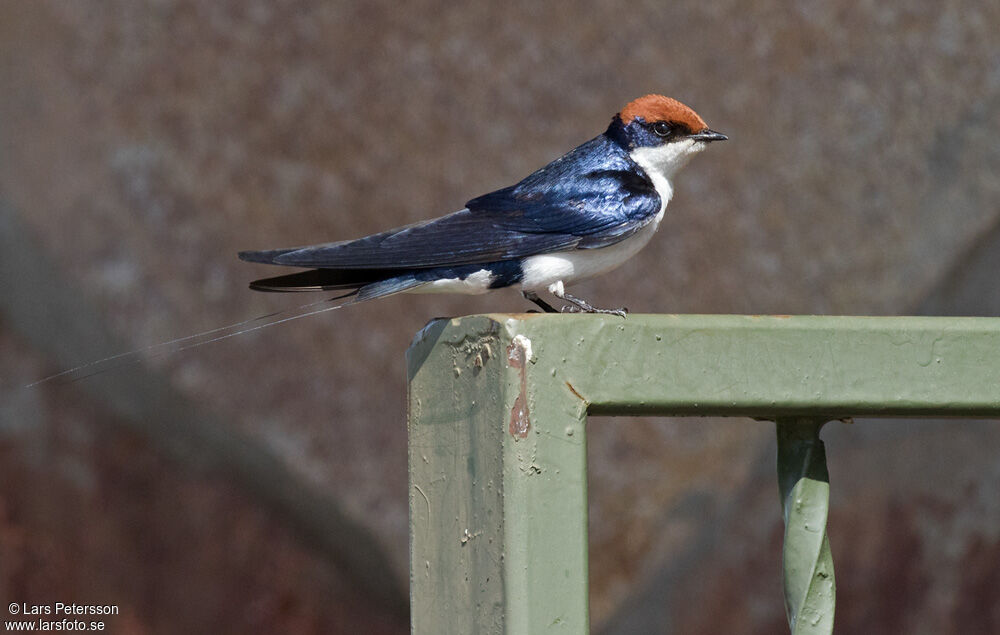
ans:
(520, 416)
(573, 390)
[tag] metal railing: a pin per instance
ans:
(497, 445)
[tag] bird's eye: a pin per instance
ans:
(663, 129)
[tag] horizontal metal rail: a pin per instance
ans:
(497, 451)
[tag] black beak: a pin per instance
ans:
(708, 135)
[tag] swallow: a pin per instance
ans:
(580, 216)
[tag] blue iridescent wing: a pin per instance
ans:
(592, 197)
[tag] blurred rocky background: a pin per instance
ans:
(258, 484)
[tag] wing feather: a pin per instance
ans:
(592, 197)
(461, 237)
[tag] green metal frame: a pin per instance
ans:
(497, 450)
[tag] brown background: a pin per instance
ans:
(258, 484)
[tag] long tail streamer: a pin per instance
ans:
(135, 356)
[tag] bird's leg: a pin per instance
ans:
(581, 305)
(545, 306)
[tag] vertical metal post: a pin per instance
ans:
(498, 487)
(804, 483)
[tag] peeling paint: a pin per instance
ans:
(520, 418)
(473, 352)
(467, 536)
(518, 356)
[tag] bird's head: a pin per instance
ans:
(661, 133)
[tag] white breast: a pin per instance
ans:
(541, 272)
(550, 270)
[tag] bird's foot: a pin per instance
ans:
(580, 305)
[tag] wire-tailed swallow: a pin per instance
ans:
(579, 216)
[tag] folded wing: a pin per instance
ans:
(592, 197)
(462, 237)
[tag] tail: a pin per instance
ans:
(368, 287)
(361, 284)
(324, 280)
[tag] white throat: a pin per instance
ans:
(662, 162)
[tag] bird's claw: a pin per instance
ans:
(621, 312)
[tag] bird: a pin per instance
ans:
(580, 216)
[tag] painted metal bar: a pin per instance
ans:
(497, 406)
(807, 562)
(765, 366)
